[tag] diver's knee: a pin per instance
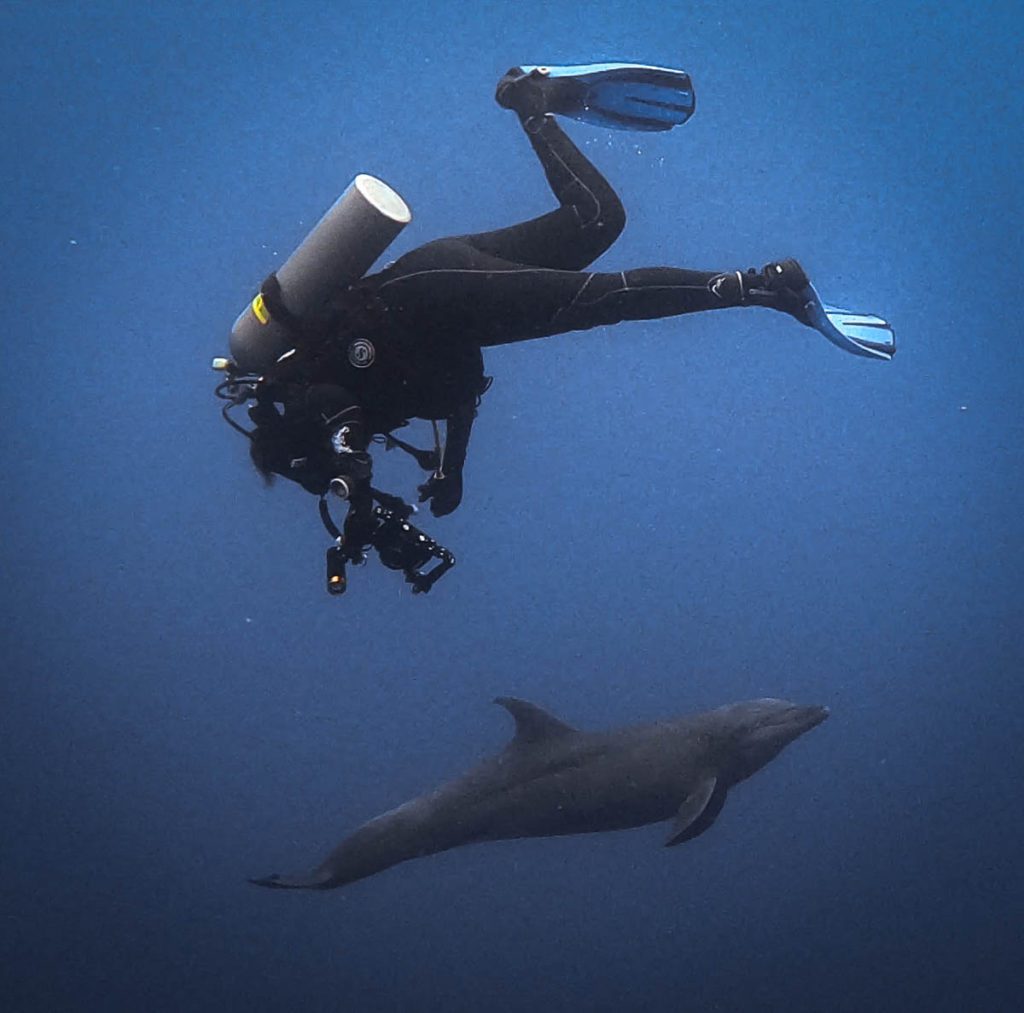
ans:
(598, 209)
(612, 217)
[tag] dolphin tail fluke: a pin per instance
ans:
(318, 879)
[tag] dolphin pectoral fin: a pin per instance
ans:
(704, 821)
(533, 723)
(692, 808)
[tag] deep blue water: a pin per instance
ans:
(659, 517)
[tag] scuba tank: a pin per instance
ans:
(360, 225)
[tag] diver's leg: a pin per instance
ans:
(598, 299)
(649, 293)
(451, 291)
(590, 217)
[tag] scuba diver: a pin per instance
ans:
(330, 360)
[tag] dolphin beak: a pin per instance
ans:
(811, 717)
(796, 720)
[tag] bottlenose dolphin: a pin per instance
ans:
(552, 779)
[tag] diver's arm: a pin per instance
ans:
(457, 431)
(444, 488)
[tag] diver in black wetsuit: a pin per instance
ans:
(406, 342)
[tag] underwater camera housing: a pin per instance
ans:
(399, 545)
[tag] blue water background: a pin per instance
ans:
(659, 517)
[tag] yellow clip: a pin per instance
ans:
(259, 309)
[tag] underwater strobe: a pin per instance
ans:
(360, 225)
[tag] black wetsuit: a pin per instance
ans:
(406, 342)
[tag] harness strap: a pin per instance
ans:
(273, 298)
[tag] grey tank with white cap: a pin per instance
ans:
(360, 225)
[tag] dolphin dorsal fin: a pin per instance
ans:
(533, 723)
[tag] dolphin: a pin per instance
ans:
(553, 779)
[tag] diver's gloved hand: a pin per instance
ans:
(444, 494)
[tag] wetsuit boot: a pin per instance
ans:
(529, 95)
(776, 286)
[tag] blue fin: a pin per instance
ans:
(625, 96)
(858, 333)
